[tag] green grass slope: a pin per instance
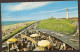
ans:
(60, 25)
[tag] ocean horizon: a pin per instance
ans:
(3, 23)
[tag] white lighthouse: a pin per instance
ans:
(67, 14)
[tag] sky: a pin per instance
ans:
(20, 11)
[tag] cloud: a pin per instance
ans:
(26, 6)
(62, 9)
(74, 12)
(72, 7)
(18, 18)
(33, 13)
(65, 12)
(54, 10)
(48, 11)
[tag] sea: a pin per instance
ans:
(3, 23)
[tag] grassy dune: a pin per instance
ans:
(60, 25)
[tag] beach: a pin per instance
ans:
(8, 29)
